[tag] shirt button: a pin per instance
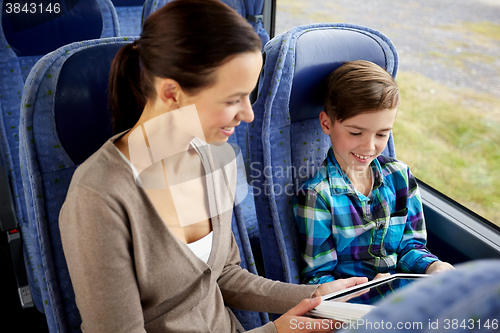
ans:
(207, 271)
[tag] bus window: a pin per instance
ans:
(448, 126)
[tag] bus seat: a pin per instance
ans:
(59, 131)
(286, 143)
(60, 105)
(130, 16)
(24, 38)
(247, 205)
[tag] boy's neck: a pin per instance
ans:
(361, 178)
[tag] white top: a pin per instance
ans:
(202, 247)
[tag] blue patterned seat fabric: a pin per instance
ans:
(24, 39)
(465, 300)
(61, 105)
(130, 16)
(286, 143)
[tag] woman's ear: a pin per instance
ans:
(326, 123)
(170, 93)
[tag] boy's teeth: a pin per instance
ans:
(362, 157)
(227, 128)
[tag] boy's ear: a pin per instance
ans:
(326, 123)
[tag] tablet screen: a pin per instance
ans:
(373, 291)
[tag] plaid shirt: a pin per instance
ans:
(343, 233)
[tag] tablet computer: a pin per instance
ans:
(374, 290)
(355, 302)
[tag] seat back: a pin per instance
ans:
(286, 142)
(59, 130)
(130, 16)
(24, 38)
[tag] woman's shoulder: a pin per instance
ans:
(104, 172)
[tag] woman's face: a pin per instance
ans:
(224, 105)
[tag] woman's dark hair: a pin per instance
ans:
(185, 40)
(359, 87)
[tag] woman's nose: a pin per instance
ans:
(246, 113)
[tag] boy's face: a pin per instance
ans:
(357, 141)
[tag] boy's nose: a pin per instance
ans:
(369, 144)
(246, 112)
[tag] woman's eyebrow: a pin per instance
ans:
(366, 129)
(238, 94)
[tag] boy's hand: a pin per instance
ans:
(381, 275)
(438, 267)
(331, 287)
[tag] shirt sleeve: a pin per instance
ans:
(317, 244)
(413, 255)
(106, 290)
(246, 291)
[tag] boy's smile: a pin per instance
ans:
(357, 141)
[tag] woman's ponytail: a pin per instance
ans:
(126, 100)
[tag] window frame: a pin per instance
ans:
(455, 231)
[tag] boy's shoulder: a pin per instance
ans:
(326, 178)
(320, 177)
(390, 165)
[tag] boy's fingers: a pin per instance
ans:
(354, 281)
(381, 275)
(304, 306)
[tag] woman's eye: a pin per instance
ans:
(355, 133)
(233, 102)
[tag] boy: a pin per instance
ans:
(361, 214)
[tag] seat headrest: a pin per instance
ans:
(38, 30)
(318, 53)
(82, 118)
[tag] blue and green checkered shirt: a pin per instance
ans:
(343, 233)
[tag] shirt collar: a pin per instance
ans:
(338, 180)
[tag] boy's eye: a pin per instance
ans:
(352, 133)
(382, 135)
(233, 102)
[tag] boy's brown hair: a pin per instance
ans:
(358, 87)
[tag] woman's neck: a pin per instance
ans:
(168, 132)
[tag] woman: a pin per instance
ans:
(135, 262)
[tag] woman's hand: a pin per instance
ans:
(438, 267)
(331, 287)
(293, 320)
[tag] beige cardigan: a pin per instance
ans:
(130, 274)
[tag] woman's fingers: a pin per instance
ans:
(304, 306)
